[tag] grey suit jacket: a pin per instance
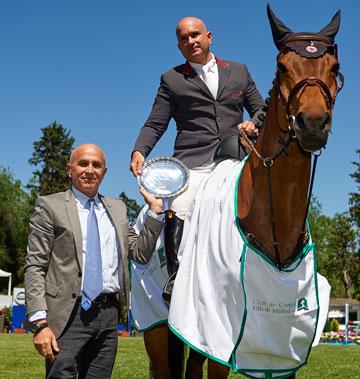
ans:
(53, 265)
(202, 122)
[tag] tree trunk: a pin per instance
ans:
(347, 283)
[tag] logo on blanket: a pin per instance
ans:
(302, 304)
(274, 307)
(157, 262)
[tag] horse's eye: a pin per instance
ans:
(281, 68)
(336, 68)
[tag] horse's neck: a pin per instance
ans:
(290, 179)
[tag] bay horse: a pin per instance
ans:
(274, 189)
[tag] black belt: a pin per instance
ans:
(104, 298)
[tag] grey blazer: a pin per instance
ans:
(53, 265)
(202, 122)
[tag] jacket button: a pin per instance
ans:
(73, 295)
(79, 274)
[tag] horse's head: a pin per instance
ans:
(307, 79)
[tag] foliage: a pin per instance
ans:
(14, 215)
(6, 311)
(354, 200)
(334, 325)
(320, 233)
(334, 337)
(133, 208)
(51, 153)
(354, 210)
(342, 246)
(337, 259)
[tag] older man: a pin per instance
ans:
(76, 268)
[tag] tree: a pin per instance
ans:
(334, 325)
(51, 153)
(354, 200)
(323, 232)
(14, 217)
(133, 208)
(342, 246)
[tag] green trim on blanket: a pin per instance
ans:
(242, 269)
(301, 255)
(268, 373)
(310, 246)
(317, 301)
(227, 364)
(153, 326)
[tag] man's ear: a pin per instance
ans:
(209, 35)
(178, 45)
(68, 169)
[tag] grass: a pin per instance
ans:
(20, 360)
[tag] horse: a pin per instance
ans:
(272, 200)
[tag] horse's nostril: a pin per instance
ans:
(303, 120)
(325, 119)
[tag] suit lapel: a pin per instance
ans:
(224, 72)
(191, 76)
(73, 214)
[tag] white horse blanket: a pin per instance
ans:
(230, 302)
(147, 282)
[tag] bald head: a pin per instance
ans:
(90, 147)
(194, 21)
(194, 40)
(87, 168)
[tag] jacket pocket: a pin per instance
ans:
(51, 289)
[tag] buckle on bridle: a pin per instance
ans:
(291, 125)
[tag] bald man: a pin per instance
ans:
(206, 97)
(76, 269)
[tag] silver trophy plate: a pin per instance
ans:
(164, 177)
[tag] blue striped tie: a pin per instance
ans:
(93, 281)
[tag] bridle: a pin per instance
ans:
(309, 81)
(289, 137)
(301, 86)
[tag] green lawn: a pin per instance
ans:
(18, 359)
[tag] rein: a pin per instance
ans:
(268, 163)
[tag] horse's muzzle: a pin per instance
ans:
(312, 132)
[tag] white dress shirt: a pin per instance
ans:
(209, 74)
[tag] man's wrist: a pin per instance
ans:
(137, 151)
(36, 326)
(40, 326)
(156, 215)
(41, 321)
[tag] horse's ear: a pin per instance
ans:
(278, 28)
(332, 28)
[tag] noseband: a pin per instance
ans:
(300, 86)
